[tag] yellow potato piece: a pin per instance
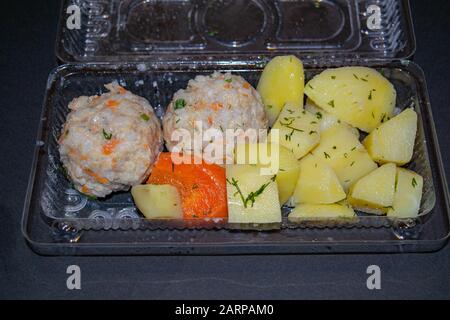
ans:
(157, 201)
(374, 193)
(243, 181)
(286, 170)
(326, 120)
(298, 130)
(320, 212)
(408, 194)
(393, 140)
(360, 96)
(341, 149)
(317, 183)
(282, 81)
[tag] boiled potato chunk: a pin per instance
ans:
(282, 163)
(252, 197)
(326, 120)
(320, 211)
(341, 149)
(160, 201)
(408, 194)
(298, 130)
(374, 193)
(282, 81)
(317, 183)
(360, 96)
(393, 140)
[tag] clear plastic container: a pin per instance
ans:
(154, 47)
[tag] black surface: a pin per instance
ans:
(27, 56)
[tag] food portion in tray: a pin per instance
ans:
(109, 142)
(333, 156)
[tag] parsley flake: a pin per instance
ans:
(107, 135)
(180, 104)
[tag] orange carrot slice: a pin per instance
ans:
(112, 103)
(97, 177)
(202, 187)
(109, 147)
(216, 106)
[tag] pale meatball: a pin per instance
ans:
(221, 101)
(109, 142)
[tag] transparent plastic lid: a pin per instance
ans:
(131, 30)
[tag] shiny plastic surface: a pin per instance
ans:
(137, 30)
(62, 215)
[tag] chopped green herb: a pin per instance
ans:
(351, 164)
(333, 77)
(313, 122)
(64, 172)
(414, 182)
(365, 80)
(228, 80)
(312, 131)
(107, 135)
(373, 115)
(370, 94)
(334, 147)
(90, 197)
(319, 115)
(145, 117)
(269, 106)
(288, 125)
(289, 136)
(309, 85)
(327, 156)
(345, 155)
(331, 103)
(178, 120)
(180, 104)
(304, 112)
(395, 186)
(251, 197)
(290, 111)
(356, 77)
(288, 122)
(352, 148)
(281, 169)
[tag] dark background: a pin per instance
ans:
(27, 56)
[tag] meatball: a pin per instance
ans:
(109, 142)
(220, 101)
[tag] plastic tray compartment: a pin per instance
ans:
(58, 220)
(133, 30)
